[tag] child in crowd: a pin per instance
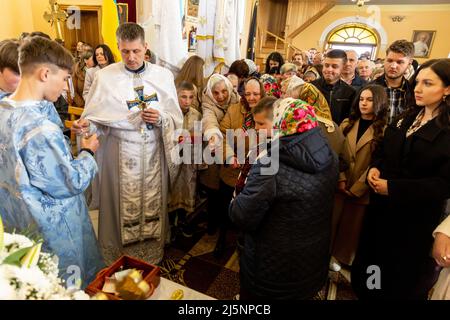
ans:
(45, 184)
(183, 196)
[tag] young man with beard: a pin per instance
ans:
(400, 93)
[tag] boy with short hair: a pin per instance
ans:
(9, 68)
(185, 187)
(41, 185)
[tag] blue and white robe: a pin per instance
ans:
(41, 186)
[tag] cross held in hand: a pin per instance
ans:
(142, 101)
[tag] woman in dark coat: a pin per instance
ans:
(285, 215)
(410, 181)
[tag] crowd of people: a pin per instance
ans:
(362, 152)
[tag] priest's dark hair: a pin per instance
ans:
(39, 50)
(130, 31)
(9, 55)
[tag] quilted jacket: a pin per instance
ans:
(286, 219)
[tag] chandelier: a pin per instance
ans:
(360, 3)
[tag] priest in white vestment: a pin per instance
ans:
(133, 105)
(205, 34)
(227, 31)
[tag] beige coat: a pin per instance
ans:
(78, 77)
(358, 157)
(442, 287)
(348, 212)
(234, 119)
(335, 137)
(185, 185)
(212, 115)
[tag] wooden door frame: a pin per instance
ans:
(97, 9)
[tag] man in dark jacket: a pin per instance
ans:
(286, 216)
(400, 92)
(339, 94)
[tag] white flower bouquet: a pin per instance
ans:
(26, 273)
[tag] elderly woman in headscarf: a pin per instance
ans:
(285, 213)
(239, 120)
(292, 81)
(217, 97)
(252, 69)
(311, 95)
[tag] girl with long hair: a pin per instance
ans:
(102, 57)
(410, 182)
(363, 131)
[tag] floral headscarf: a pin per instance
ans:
(215, 79)
(311, 95)
(293, 116)
(271, 86)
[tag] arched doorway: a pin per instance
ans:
(355, 36)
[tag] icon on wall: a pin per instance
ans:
(122, 9)
(423, 41)
(192, 10)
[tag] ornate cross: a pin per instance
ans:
(142, 101)
(55, 17)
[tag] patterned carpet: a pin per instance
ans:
(190, 262)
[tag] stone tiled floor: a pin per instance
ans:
(190, 262)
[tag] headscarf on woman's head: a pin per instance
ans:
(271, 86)
(292, 82)
(251, 66)
(248, 118)
(215, 79)
(312, 96)
(314, 71)
(293, 116)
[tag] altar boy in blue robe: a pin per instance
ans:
(41, 184)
